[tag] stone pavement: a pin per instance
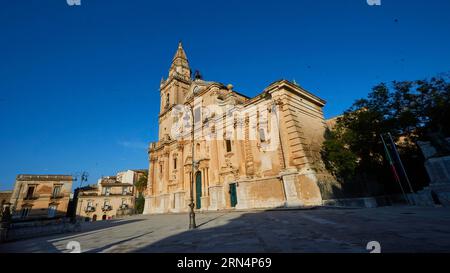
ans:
(397, 229)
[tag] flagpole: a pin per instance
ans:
(401, 163)
(388, 157)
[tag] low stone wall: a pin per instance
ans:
(32, 229)
(422, 199)
(425, 197)
(364, 202)
(444, 198)
(367, 202)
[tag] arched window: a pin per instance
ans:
(174, 163)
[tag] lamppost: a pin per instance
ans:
(192, 224)
(83, 178)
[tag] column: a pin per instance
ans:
(166, 173)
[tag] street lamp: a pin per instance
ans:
(192, 224)
(83, 178)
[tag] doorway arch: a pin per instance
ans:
(104, 217)
(198, 190)
(94, 218)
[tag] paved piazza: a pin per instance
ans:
(397, 229)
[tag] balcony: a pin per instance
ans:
(106, 208)
(57, 196)
(88, 194)
(30, 197)
(89, 209)
(118, 194)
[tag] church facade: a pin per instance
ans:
(260, 152)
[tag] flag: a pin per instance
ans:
(391, 164)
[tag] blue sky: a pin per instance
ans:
(79, 84)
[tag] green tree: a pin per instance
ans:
(141, 183)
(340, 160)
(408, 110)
(140, 202)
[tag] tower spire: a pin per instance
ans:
(180, 64)
(180, 52)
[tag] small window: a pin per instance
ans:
(30, 192)
(106, 191)
(175, 163)
(25, 211)
(228, 144)
(56, 191)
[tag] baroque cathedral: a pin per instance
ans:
(260, 152)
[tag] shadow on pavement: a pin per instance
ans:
(243, 233)
(47, 243)
(310, 231)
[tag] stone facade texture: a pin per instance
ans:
(260, 152)
(41, 196)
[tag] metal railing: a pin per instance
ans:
(57, 196)
(31, 197)
(90, 209)
(106, 208)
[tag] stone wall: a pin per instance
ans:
(32, 229)
(260, 194)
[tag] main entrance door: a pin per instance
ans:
(233, 195)
(198, 190)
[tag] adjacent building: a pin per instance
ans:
(5, 197)
(258, 152)
(40, 196)
(111, 197)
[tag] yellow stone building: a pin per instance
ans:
(259, 152)
(111, 197)
(41, 196)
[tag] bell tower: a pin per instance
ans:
(174, 89)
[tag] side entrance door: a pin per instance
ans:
(233, 195)
(198, 190)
